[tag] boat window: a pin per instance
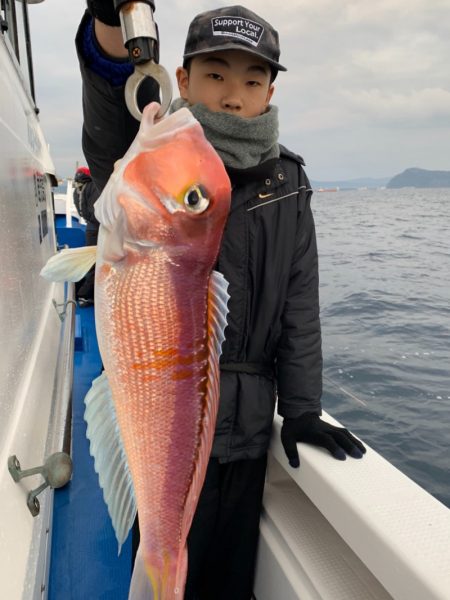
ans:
(8, 24)
(23, 35)
(15, 17)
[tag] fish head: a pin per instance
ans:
(175, 191)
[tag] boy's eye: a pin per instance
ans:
(253, 83)
(215, 76)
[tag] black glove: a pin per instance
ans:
(107, 11)
(311, 429)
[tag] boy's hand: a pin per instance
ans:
(311, 429)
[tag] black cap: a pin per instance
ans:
(233, 28)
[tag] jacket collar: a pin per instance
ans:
(256, 183)
(252, 174)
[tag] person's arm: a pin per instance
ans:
(299, 357)
(107, 25)
(110, 40)
(108, 127)
(299, 353)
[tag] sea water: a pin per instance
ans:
(385, 309)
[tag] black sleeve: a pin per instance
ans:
(299, 356)
(90, 195)
(108, 126)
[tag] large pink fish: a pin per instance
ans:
(160, 315)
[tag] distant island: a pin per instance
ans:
(420, 178)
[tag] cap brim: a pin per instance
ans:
(235, 46)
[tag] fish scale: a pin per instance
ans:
(163, 452)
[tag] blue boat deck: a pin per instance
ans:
(84, 562)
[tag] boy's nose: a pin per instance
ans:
(231, 102)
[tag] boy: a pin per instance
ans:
(268, 256)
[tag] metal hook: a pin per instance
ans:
(56, 471)
(141, 71)
(62, 314)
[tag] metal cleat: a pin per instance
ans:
(56, 471)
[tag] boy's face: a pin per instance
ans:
(231, 81)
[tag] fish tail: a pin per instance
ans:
(181, 572)
(163, 582)
(143, 584)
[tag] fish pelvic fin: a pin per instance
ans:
(110, 461)
(217, 321)
(71, 264)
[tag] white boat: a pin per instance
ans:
(356, 530)
(35, 355)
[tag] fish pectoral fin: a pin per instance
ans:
(217, 321)
(113, 248)
(110, 461)
(71, 264)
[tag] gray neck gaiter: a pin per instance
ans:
(239, 141)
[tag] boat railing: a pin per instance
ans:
(357, 529)
(59, 436)
(69, 203)
(56, 469)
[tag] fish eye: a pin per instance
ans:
(196, 199)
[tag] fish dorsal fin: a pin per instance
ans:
(71, 264)
(217, 321)
(109, 457)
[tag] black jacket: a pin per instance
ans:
(85, 195)
(269, 257)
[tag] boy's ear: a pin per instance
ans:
(270, 92)
(183, 82)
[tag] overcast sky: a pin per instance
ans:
(367, 92)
